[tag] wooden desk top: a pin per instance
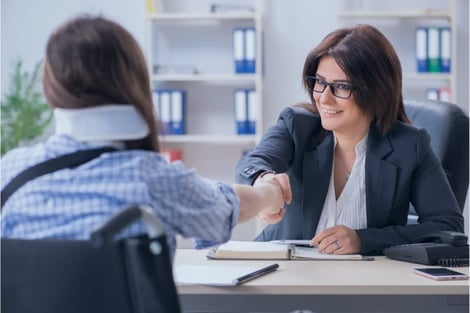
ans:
(382, 276)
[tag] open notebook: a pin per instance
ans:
(258, 250)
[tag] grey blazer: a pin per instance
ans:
(401, 168)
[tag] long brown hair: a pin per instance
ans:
(372, 65)
(92, 61)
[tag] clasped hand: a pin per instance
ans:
(275, 213)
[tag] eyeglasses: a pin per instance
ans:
(339, 89)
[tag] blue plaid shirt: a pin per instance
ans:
(71, 203)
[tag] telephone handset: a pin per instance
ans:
(449, 237)
(444, 248)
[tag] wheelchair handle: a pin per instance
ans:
(126, 217)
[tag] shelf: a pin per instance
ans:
(222, 139)
(187, 17)
(228, 78)
(425, 13)
(427, 76)
(191, 49)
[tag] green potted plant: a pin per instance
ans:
(25, 113)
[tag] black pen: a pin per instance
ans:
(265, 270)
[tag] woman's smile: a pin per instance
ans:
(329, 112)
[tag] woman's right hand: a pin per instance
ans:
(276, 211)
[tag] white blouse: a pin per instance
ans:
(350, 208)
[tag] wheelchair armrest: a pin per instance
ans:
(126, 217)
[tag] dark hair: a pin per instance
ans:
(372, 65)
(92, 61)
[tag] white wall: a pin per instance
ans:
(291, 30)
(27, 24)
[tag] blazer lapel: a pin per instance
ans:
(317, 165)
(381, 178)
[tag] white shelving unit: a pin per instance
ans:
(186, 34)
(398, 21)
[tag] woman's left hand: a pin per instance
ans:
(338, 239)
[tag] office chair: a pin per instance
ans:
(447, 124)
(102, 274)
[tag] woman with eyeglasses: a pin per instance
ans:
(354, 161)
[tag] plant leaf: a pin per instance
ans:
(25, 114)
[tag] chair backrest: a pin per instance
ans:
(98, 275)
(447, 124)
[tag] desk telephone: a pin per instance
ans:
(444, 248)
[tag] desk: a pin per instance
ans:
(382, 285)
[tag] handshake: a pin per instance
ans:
(276, 189)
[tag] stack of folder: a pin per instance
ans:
(442, 93)
(433, 55)
(244, 50)
(246, 111)
(170, 105)
(433, 49)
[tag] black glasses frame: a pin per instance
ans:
(311, 80)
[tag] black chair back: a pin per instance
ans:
(447, 124)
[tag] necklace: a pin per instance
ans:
(343, 162)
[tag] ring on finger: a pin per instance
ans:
(337, 245)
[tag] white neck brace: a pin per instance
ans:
(101, 123)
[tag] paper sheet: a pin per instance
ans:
(211, 275)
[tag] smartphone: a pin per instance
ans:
(440, 273)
